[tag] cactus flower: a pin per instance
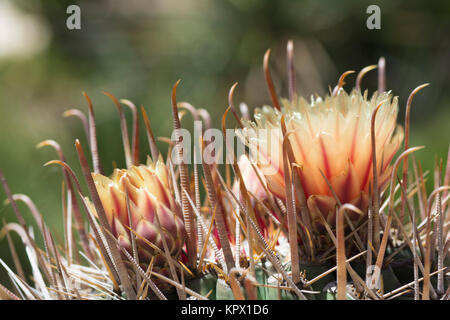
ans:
(256, 190)
(252, 183)
(330, 137)
(149, 195)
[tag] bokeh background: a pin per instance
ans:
(137, 49)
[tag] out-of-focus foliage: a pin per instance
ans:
(137, 49)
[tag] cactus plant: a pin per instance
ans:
(316, 202)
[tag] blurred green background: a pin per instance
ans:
(137, 49)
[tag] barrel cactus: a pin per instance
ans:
(316, 200)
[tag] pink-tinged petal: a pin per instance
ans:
(122, 234)
(149, 232)
(313, 181)
(114, 227)
(334, 153)
(215, 234)
(134, 177)
(317, 158)
(153, 184)
(384, 134)
(298, 141)
(251, 180)
(164, 196)
(125, 243)
(133, 191)
(363, 159)
(135, 213)
(325, 158)
(102, 185)
(159, 174)
(262, 224)
(275, 185)
(119, 206)
(167, 219)
(162, 173)
(145, 207)
(367, 172)
(354, 133)
(346, 185)
(270, 166)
